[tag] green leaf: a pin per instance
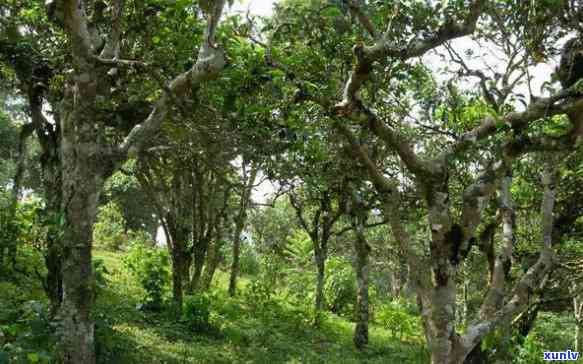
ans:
(331, 12)
(155, 39)
(33, 357)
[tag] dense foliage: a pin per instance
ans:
(335, 182)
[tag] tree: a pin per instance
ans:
(429, 163)
(86, 156)
(249, 174)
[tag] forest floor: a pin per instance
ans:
(242, 334)
(241, 330)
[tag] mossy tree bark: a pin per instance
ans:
(362, 249)
(87, 158)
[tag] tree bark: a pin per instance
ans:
(579, 336)
(199, 257)
(235, 265)
(82, 182)
(177, 271)
(578, 311)
(52, 182)
(213, 259)
(320, 259)
(360, 338)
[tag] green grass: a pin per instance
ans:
(243, 334)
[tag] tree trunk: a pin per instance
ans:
(399, 275)
(52, 182)
(84, 166)
(579, 336)
(213, 260)
(236, 256)
(578, 311)
(239, 225)
(81, 187)
(443, 339)
(362, 272)
(200, 251)
(320, 277)
(177, 270)
(477, 356)
(178, 231)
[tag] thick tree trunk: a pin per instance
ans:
(362, 273)
(443, 343)
(84, 166)
(82, 185)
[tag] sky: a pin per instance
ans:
(255, 7)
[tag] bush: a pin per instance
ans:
(531, 351)
(151, 268)
(196, 312)
(28, 339)
(100, 271)
(397, 317)
(140, 237)
(249, 263)
(109, 230)
(340, 287)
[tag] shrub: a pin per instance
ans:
(100, 271)
(151, 268)
(258, 293)
(531, 351)
(340, 287)
(196, 312)
(249, 263)
(140, 237)
(29, 338)
(397, 317)
(109, 230)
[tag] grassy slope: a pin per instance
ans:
(127, 335)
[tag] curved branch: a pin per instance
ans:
(211, 60)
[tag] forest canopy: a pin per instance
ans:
(335, 181)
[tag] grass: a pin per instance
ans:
(242, 330)
(243, 333)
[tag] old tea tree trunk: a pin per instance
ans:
(87, 160)
(362, 249)
(435, 282)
